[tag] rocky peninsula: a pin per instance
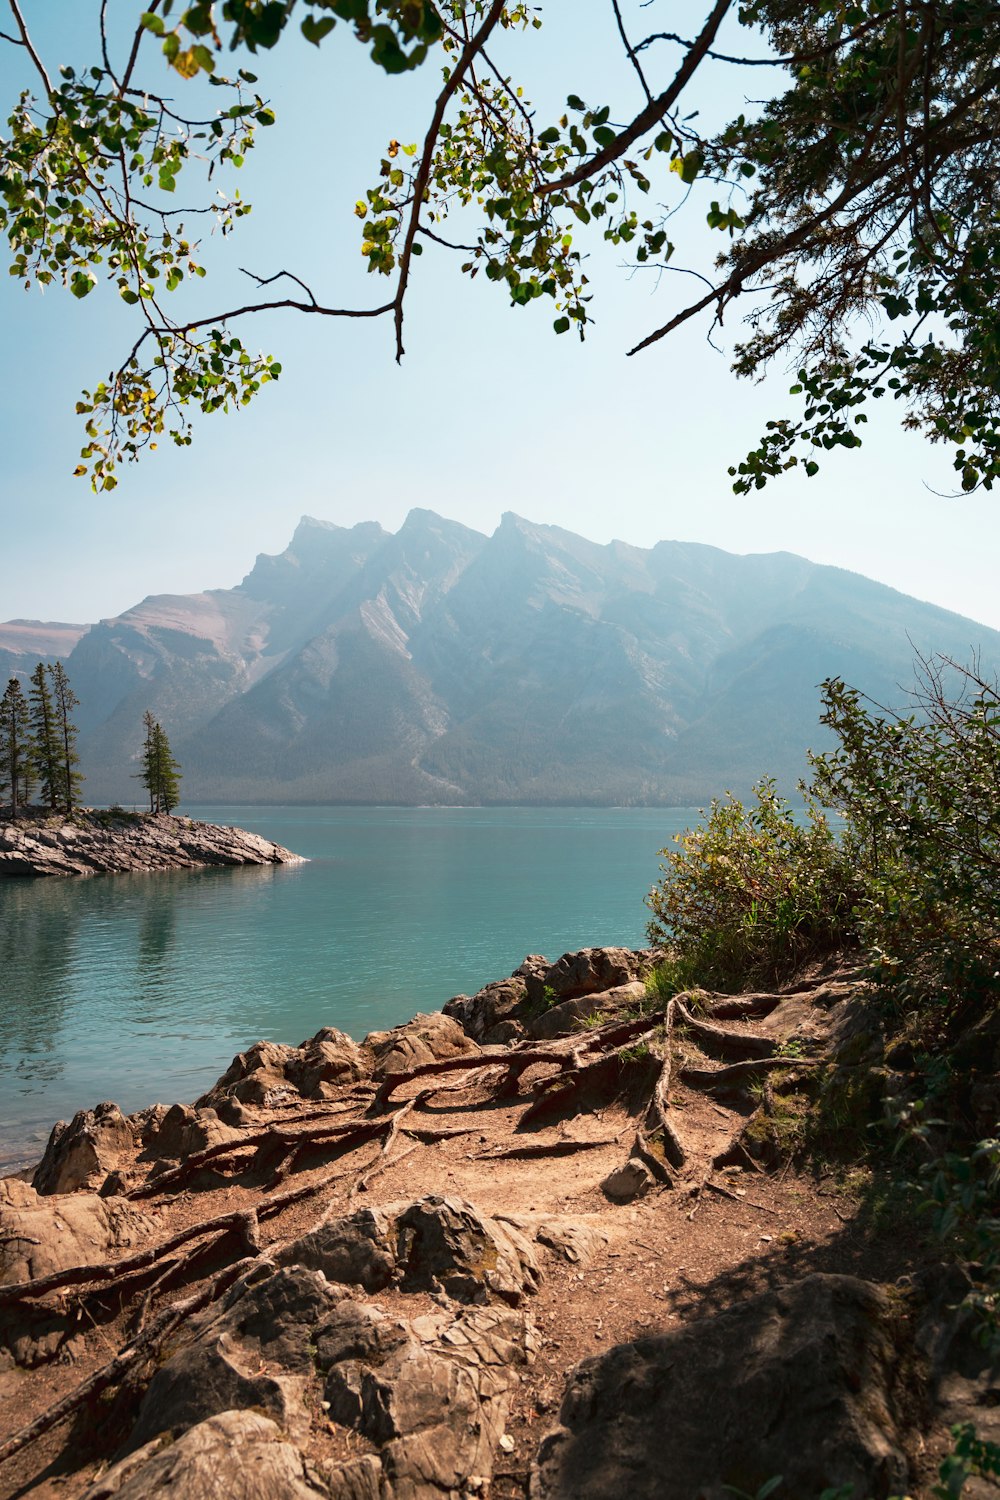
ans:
(557, 1241)
(93, 841)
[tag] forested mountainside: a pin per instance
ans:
(439, 665)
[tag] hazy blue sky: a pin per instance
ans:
(489, 411)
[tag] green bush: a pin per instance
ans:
(753, 892)
(921, 795)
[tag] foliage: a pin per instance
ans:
(858, 207)
(64, 700)
(920, 796)
(160, 773)
(46, 749)
(754, 891)
(15, 746)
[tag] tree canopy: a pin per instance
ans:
(857, 206)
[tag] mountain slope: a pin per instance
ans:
(439, 665)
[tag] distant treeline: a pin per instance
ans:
(38, 747)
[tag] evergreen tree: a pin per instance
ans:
(168, 772)
(15, 745)
(64, 700)
(47, 750)
(160, 773)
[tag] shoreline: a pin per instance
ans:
(545, 1241)
(93, 841)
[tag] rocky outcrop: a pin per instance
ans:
(542, 999)
(92, 842)
(82, 1153)
(797, 1383)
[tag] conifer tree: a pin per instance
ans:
(15, 745)
(168, 772)
(47, 750)
(160, 773)
(64, 700)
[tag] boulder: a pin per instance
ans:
(796, 1382)
(240, 1454)
(253, 1351)
(587, 972)
(628, 1182)
(356, 1251)
(39, 1236)
(183, 1130)
(433, 1244)
(325, 1063)
(574, 1015)
(493, 1014)
(424, 1039)
(82, 1153)
(257, 1076)
(431, 1394)
(445, 1244)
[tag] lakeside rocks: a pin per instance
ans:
(93, 842)
(491, 1322)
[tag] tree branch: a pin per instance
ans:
(474, 45)
(649, 116)
(27, 42)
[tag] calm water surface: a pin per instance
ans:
(142, 988)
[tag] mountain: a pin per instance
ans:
(24, 642)
(437, 665)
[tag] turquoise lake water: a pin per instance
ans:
(142, 988)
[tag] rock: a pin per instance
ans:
(183, 1130)
(39, 1236)
(432, 1244)
(588, 972)
(576, 1240)
(82, 1153)
(796, 1382)
(430, 1393)
(327, 1061)
(436, 1403)
(99, 842)
(492, 1015)
(574, 1015)
(42, 1235)
(424, 1039)
(240, 1454)
(257, 1076)
(357, 1251)
(445, 1243)
(628, 1182)
(267, 1319)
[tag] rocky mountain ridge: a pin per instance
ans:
(438, 665)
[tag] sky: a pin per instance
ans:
(488, 412)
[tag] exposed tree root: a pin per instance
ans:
(123, 1270)
(744, 1007)
(736, 1073)
(730, 1043)
(536, 1149)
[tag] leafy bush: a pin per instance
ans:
(753, 892)
(921, 795)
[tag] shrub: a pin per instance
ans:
(921, 795)
(753, 892)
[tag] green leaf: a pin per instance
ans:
(82, 283)
(561, 325)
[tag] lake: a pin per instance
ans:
(142, 988)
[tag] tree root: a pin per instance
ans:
(124, 1270)
(539, 1149)
(744, 1007)
(736, 1073)
(734, 1043)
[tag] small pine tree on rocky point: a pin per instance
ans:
(64, 700)
(47, 750)
(15, 745)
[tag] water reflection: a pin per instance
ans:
(39, 928)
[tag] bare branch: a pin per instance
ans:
(267, 280)
(26, 41)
